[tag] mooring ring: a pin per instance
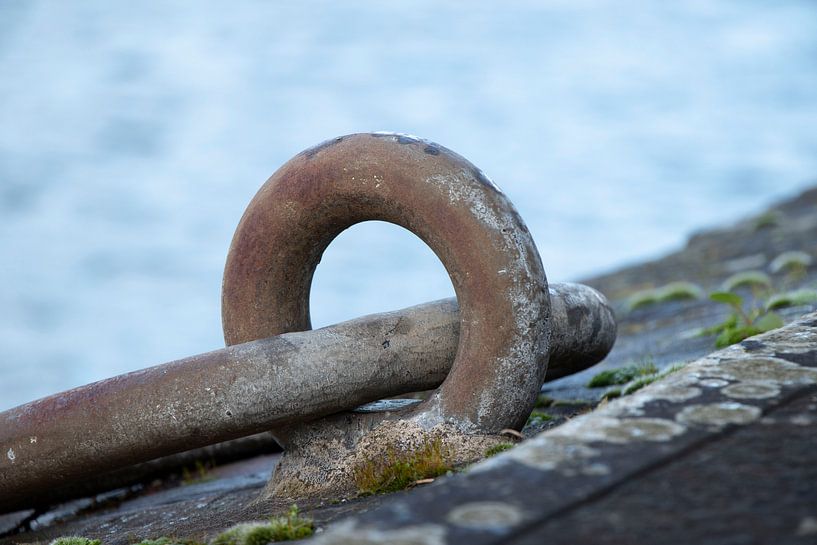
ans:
(448, 203)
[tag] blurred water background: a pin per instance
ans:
(132, 136)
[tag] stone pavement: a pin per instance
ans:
(721, 451)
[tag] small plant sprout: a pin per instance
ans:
(742, 323)
(674, 291)
(757, 281)
(397, 471)
(790, 260)
(680, 291)
(284, 528)
(643, 298)
(794, 298)
(496, 449)
(75, 540)
(793, 264)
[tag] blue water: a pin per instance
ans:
(132, 138)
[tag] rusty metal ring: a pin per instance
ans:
(448, 203)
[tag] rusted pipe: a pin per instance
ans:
(47, 445)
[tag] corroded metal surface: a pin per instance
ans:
(291, 375)
(449, 204)
(50, 444)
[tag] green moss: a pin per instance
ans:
(571, 402)
(621, 375)
(650, 375)
(75, 540)
(612, 394)
(169, 541)
(538, 417)
(754, 280)
(640, 383)
(237, 535)
(543, 401)
(794, 298)
(496, 449)
(283, 528)
(397, 471)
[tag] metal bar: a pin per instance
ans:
(254, 387)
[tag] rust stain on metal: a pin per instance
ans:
(274, 373)
(455, 209)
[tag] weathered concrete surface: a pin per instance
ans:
(613, 468)
(756, 474)
(667, 333)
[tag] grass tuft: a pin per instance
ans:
(396, 471)
(636, 385)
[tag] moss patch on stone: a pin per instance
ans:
(496, 449)
(621, 375)
(169, 541)
(283, 528)
(674, 291)
(538, 417)
(398, 470)
(75, 540)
